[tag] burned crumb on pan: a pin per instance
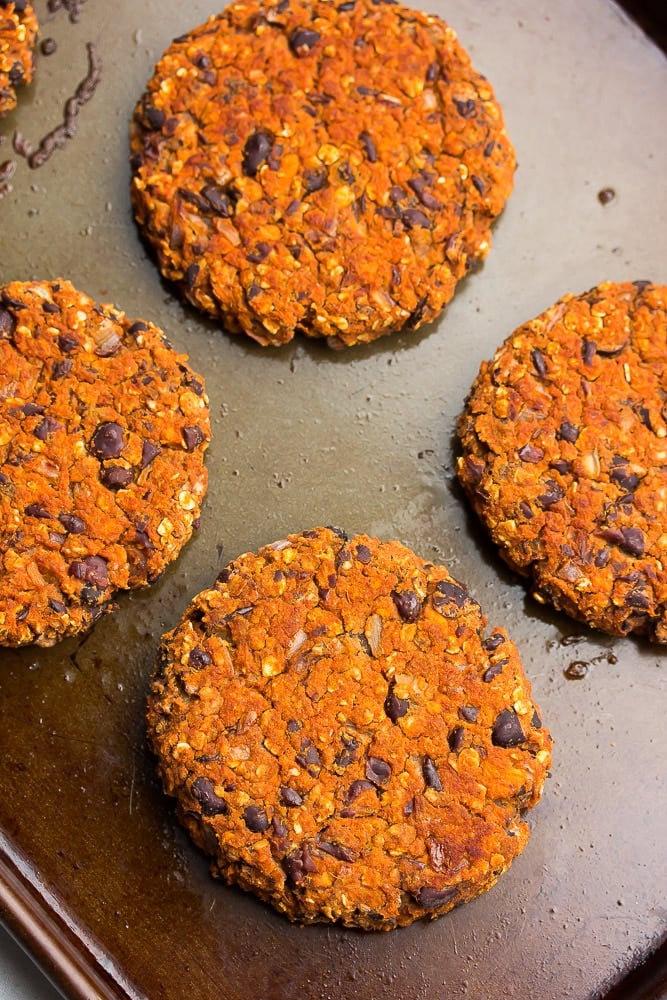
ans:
(57, 137)
(73, 8)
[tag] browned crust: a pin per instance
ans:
(103, 428)
(321, 168)
(343, 736)
(564, 444)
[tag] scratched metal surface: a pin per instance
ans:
(94, 873)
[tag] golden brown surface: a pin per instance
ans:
(343, 736)
(326, 169)
(565, 455)
(103, 427)
(18, 34)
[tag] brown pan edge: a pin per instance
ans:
(82, 969)
(75, 964)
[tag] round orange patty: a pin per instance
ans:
(564, 439)
(18, 34)
(103, 428)
(332, 169)
(343, 735)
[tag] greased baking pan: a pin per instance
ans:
(95, 875)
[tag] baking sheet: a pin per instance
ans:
(95, 874)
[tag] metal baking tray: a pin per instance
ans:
(96, 878)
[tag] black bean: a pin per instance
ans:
(308, 757)
(149, 451)
(626, 479)
(255, 819)
(478, 183)
(298, 864)
(377, 770)
(466, 108)
(302, 40)
(142, 538)
(413, 217)
(588, 351)
(199, 658)
(193, 198)
(407, 604)
(279, 828)
(357, 787)
(337, 850)
(363, 554)
(637, 599)
(633, 542)
(568, 432)
(431, 776)
(349, 752)
(16, 74)
(193, 436)
(218, 199)
(203, 790)
(450, 597)
(369, 146)
(37, 510)
(67, 344)
(92, 570)
(493, 671)
(456, 737)
(507, 731)
(138, 327)
(72, 523)
(45, 427)
(536, 722)
(395, 707)
(255, 151)
(529, 453)
(432, 72)
(293, 725)
(260, 253)
(116, 477)
(107, 441)
(57, 606)
(552, 495)
(155, 117)
(7, 324)
(289, 796)
(539, 363)
(190, 276)
(430, 898)
(469, 713)
(630, 540)
(493, 641)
